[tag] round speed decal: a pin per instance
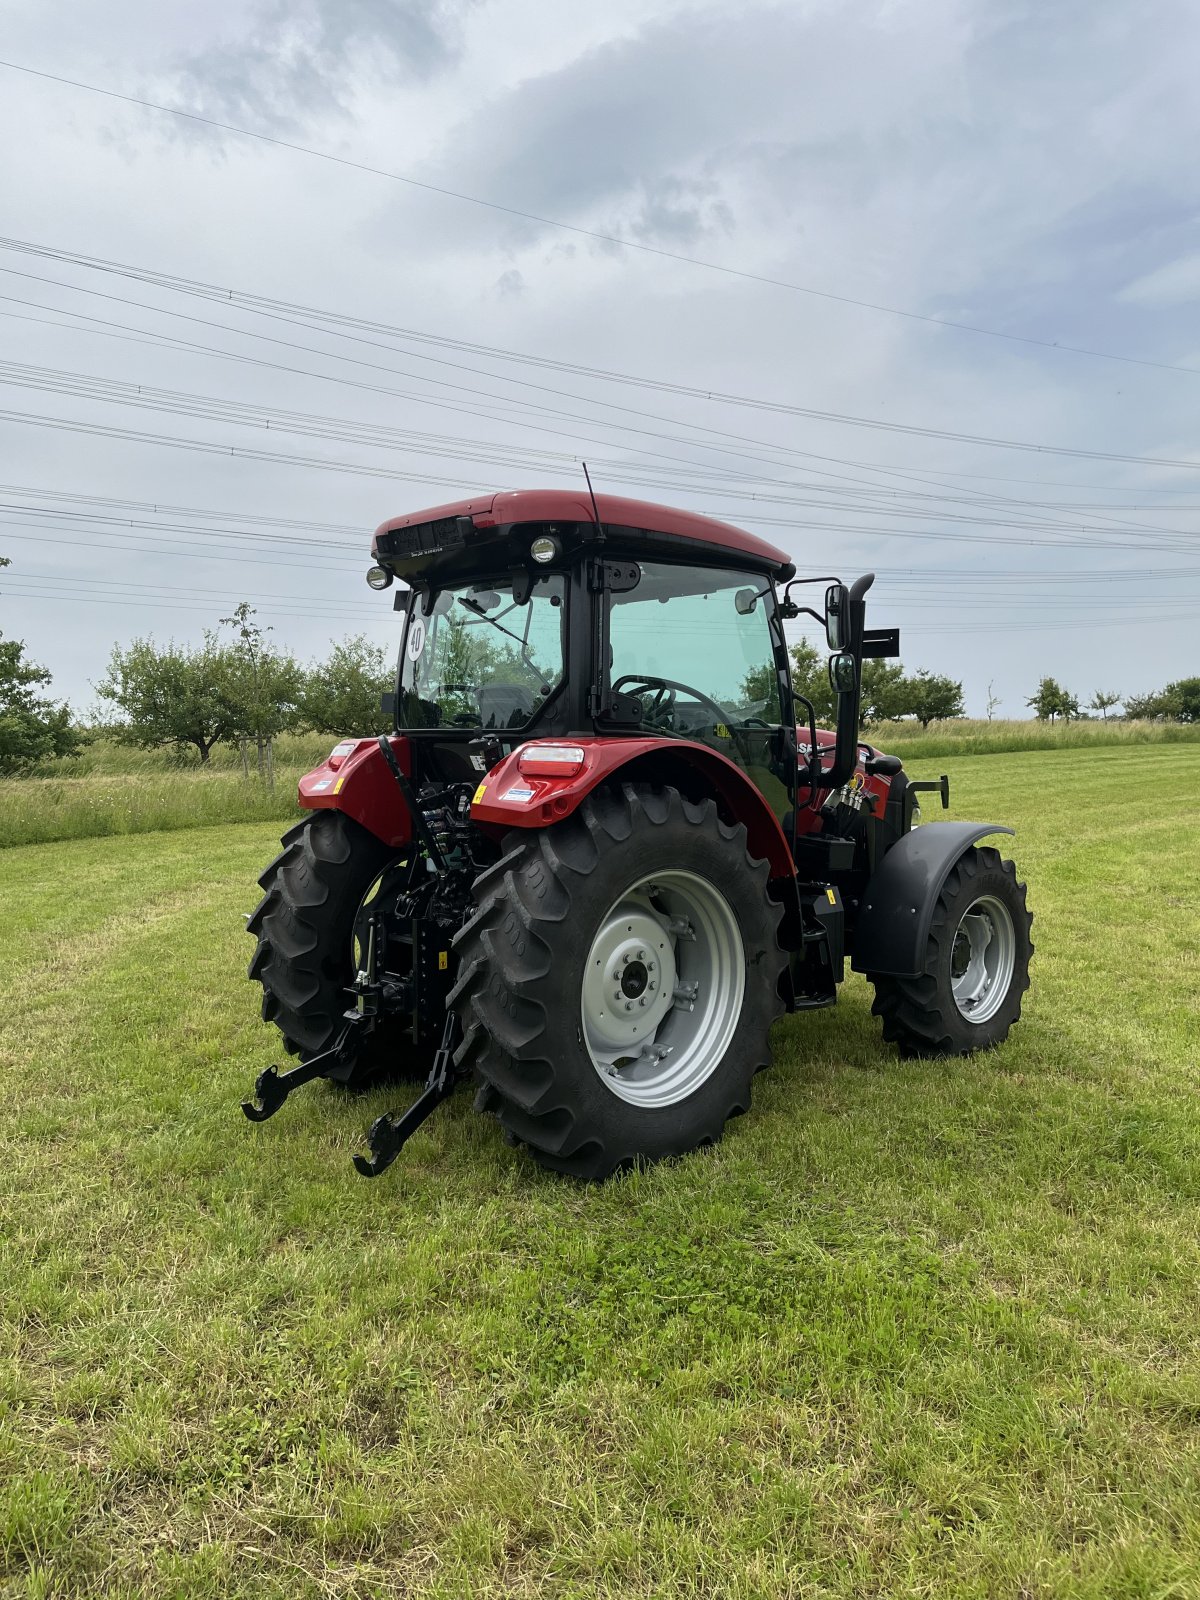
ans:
(416, 638)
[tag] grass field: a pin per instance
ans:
(112, 789)
(910, 1330)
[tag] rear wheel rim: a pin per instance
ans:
(982, 959)
(662, 988)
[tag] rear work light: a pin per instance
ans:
(551, 760)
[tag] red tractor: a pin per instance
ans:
(606, 845)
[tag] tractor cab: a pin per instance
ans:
(604, 843)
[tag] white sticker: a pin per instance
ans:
(416, 638)
(322, 783)
(517, 794)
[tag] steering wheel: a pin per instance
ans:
(666, 691)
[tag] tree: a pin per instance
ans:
(932, 698)
(993, 700)
(1156, 706)
(32, 728)
(263, 685)
(1103, 702)
(810, 678)
(171, 697)
(1051, 700)
(884, 691)
(1184, 698)
(342, 695)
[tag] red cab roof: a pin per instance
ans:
(510, 507)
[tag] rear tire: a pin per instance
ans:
(976, 965)
(313, 893)
(564, 911)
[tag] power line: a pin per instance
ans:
(266, 306)
(257, 305)
(591, 233)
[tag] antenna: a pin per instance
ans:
(595, 507)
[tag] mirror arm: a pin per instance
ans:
(846, 749)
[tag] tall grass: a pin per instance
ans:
(967, 736)
(42, 810)
(111, 789)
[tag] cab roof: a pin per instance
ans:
(449, 540)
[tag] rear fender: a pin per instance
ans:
(354, 778)
(892, 928)
(509, 798)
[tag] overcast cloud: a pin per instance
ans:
(1024, 168)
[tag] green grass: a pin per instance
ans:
(968, 736)
(48, 810)
(112, 789)
(910, 1330)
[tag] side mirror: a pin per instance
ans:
(837, 616)
(745, 601)
(402, 599)
(843, 673)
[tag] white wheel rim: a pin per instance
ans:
(662, 988)
(982, 959)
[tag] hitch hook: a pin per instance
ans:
(272, 1087)
(389, 1133)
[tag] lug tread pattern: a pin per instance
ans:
(299, 958)
(917, 1015)
(516, 1026)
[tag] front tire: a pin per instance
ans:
(976, 967)
(618, 980)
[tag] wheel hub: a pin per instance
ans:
(662, 989)
(630, 980)
(982, 959)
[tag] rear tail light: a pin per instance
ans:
(340, 751)
(551, 760)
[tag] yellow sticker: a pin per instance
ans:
(337, 788)
(479, 794)
(832, 897)
(721, 731)
(443, 960)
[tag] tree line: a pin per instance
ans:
(1177, 702)
(243, 690)
(237, 687)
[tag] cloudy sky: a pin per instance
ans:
(226, 360)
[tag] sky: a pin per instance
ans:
(908, 289)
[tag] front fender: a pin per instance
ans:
(892, 928)
(508, 798)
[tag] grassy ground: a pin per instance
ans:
(924, 1330)
(969, 736)
(112, 789)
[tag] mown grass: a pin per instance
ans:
(911, 1329)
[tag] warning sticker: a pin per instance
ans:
(479, 794)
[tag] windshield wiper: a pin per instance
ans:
(523, 641)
